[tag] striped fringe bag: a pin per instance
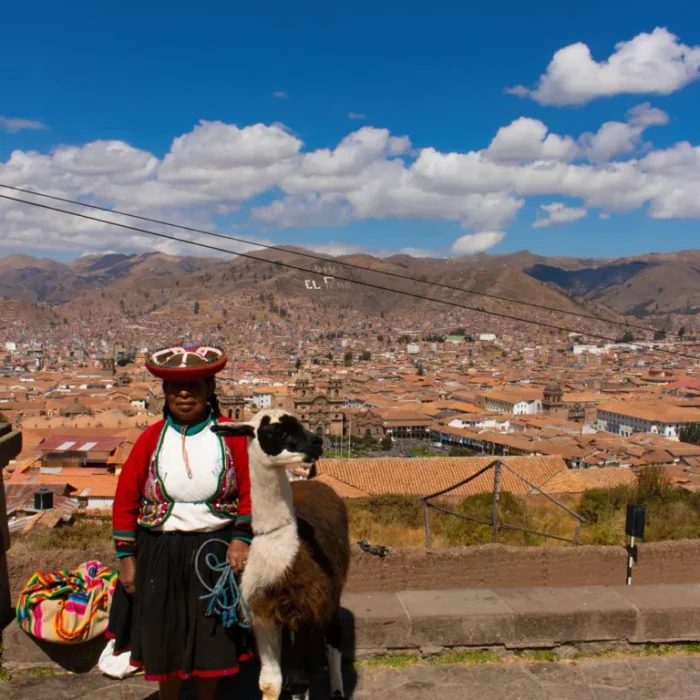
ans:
(67, 607)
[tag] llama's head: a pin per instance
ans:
(276, 438)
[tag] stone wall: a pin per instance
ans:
(488, 566)
(510, 567)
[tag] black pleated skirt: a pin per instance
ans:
(164, 624)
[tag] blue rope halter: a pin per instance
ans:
(225, 597)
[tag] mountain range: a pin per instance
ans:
(654, 286)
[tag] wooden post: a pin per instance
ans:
(496, 497)
(577, 531)
(10, 447)
(426, 520)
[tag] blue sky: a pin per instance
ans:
(146, 73)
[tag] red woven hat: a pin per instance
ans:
(186, 363)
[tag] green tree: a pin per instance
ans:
(421, 370)
(681, 332)
(460, 452)
(660, 335)
(3, 418)
(366, 355)
(690, 433)
(387, 442)
(627, 337)
(196, 307)
(297, 364)
(347, 359)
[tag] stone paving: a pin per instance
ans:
(667, 678)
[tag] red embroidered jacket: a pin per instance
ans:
(137, 503)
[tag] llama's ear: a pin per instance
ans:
(234, 429)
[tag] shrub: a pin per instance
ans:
(600, 503)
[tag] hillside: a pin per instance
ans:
(43, 280)
(656, 284)
(149, 288)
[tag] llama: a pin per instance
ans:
(300, 554)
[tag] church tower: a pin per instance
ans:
(232, 404)
(553, 398)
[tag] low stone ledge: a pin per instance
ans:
(497, 618)
(466, 617)
(547, 617)
(376, 620)
(21, 651)
(665, 613)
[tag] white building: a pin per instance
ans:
(482, 422)
(413, 348)
(262, 398)
(659, 418)
(524, 402)
(588, 349)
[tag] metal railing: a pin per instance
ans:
(495, 523)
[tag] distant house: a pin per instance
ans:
(422, 476)
(69, 451)
(519, 402)
(659, 418)
(406, 424)
(262, 398)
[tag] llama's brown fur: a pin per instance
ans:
(309, 593)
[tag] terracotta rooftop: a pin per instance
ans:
(579, 480)
(653, 411)
(421, 476)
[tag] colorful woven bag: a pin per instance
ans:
(67, 607)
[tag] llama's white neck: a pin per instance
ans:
(276, 541)
(271, 495)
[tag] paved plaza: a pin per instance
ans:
(667, 678)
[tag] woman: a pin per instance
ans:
(181, 486)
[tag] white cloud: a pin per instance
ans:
(335, 248)
(281, 94)
(217, 168)
(527, 139)
(417, 252)
(620, 138)
(656, 63)
(612, 139)
(305, 210)
(16, 124)
(477, 242)
(559, 213)
(356, 115)
(645, 115)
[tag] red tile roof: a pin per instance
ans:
(421, 476)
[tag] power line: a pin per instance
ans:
(371, 285)
(387, 273)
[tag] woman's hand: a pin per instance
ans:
(237, 555)
(127, 574)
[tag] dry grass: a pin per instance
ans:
(398, 521)
(672, 514)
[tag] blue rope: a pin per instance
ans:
(225, 597)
